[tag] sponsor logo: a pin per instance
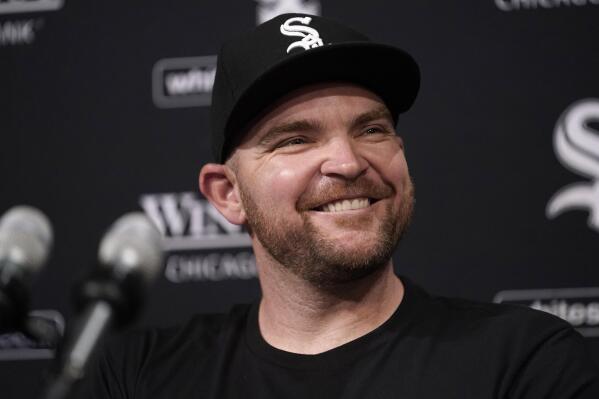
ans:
(48, 324)
(268, 9)
(576, 146)
(24, 6)
(578, 306)
(19, 32)
(183, 82)
(201, 244)
(188, 222)
(210, 267)
(310, 36)
(518, 5)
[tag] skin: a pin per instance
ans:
(319, 144)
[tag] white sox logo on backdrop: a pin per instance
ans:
(577, 148)
(310, 36)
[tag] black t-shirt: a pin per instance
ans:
(431, 347)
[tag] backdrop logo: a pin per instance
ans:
(201, 243)
(268, 9)
(578, 306)
(183, 82)
(19, 32)
(26, 6)
(18, 346)
(576, 145)
(517, 5)
(23, 31)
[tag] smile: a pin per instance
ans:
(345, 205)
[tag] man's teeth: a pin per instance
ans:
(346, 205)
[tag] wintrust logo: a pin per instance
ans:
(183, 82)
(578, 306)
(576, 145)
(27, 6)
(188, 222)
(298, 26)
(518, 5)
(202, 244)
(268, 9)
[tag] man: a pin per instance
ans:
(304, 114)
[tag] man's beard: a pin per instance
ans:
(310, 255)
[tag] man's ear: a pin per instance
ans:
(219, 185)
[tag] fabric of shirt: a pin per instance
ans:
(431, 347)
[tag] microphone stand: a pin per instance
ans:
(104, 302)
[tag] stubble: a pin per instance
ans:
(304, 251)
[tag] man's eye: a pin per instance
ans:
(293, 141)
(374, 130)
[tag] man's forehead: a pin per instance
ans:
(303, 105)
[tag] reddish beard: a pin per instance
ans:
(304, 250)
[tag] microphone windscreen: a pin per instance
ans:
(132, 244)
(25, 237)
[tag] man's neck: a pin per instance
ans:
(299, 317)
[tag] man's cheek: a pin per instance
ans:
(287, 174)
(398, 168)
(285, 183)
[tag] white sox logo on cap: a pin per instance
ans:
(310, 36)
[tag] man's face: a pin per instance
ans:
(324, 183)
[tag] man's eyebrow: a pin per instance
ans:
(378, 113)
(305, 125)
(302, 125)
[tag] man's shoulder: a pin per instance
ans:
(519, 351)
(200, 333)
(143, 358)
(490, 321)
(496, 313)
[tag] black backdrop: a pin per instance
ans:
(104, 110)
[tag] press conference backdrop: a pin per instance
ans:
(104, 110)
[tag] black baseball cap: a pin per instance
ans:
(294, 50)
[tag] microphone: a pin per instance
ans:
(25, 241)
(130, 256)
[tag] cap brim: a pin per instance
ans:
(389, 72)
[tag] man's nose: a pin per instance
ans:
(342, 160)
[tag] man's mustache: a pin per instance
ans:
(330, 190)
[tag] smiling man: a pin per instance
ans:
(322, 183)
(304, 114)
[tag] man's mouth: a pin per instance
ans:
(334, 196)
(345, 205)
